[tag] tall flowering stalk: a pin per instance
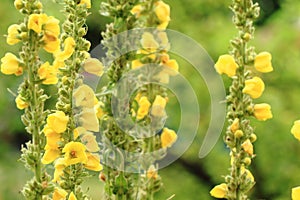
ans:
(37, 31)
(70, 143)
(151, 99)
(147, 106)
(241, 65)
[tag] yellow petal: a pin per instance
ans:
(262, 111)
(59, 194)
(13, 32)
(74, 153)
(86, 2)
(36, 22)
(248, 147)
(72, 196)
(158, 106)
(226, 65)
(219, 191)
(20, 103)
(10, 64)
(93, 66)
(93, 162)
(168, 138)
(296, 193)
(143, 109)
(58, 121)
(50, 155)
(262, 62)
(296, 129)
(88, 119)
(162, 11)
(84, 96)
(254, 87)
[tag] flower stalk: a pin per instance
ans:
(240, 65)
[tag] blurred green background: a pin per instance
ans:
(277, 164)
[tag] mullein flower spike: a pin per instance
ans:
(239, 65)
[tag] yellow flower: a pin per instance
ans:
(93, 66)
(163, 77)
(296, 193)
(136, 10)
(164, 40)
(219, 191)
(84, 96)
(86, 2)
(235, 125)
(52, 26)
(20, 103)
(89, 140)
(158, 106)
(248, 173)
(88, 119)
(152, 173)
(262, 62)
(248, 147)
(168, 138)
(144, 106)
(254, 87)
(50, 155)
(74, 153)
(136, 64)
(296, 129)
(48, 74)
(59, 194)
(93, 162)
(13, 32)
(163, 25)
(51, 43)
(52, 138)
(10, 64)
(262, 111)
(60, 165)
(226, 65)
(36, 22)
(72, 196)
(58, 121)
(149, 43)
(18, 4)
(172, 67)
(162, 11)
(69, 47)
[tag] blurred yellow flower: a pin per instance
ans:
(13, 33)
(51, 43)
(20, 103)
(98, 109)
(58, 121)
(52, 137)
(89, 140)
(248, 147)
(136, 64)
(59, 166)
(10, 64)
(219, 191)
(86, 2)
(69, 47)
(149, 43)
(78, 132)
(262, 62)
(168, 138)
(136, 10)
(36, 22)
(72, 196)
(248, 173)
(254, 87)
(52, 26)
(296, 193)
(93, 66)
(48, 74)
(59, 194)
(18, 4)
(158, 106)
(143, 109)
(88, 119)
(226, 65)
(93, 162)
(172, 67)
(152, 173)
(162, 11)
(235, 125)
(262, 111)
(74, 153)
(296, 129)
(84, 96)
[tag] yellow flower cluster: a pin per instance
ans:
(49, 27)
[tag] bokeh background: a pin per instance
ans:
(277, 164)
